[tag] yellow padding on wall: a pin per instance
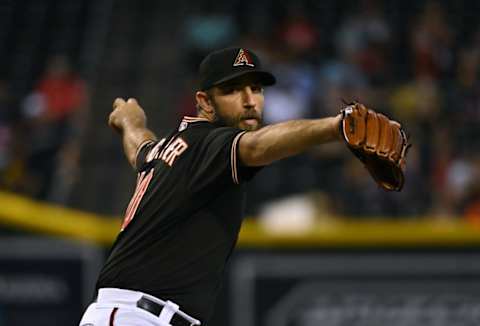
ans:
(30, 215)
(374, 232)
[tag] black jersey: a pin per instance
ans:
(183, 220)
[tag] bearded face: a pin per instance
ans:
(250, 120)
(238, 105)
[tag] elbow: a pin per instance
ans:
(251, 150)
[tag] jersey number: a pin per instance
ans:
(142, 185)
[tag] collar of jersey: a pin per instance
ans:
(188, 119)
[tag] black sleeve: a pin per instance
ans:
(146, 149)
(217, 159)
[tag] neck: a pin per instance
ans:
(209, 116)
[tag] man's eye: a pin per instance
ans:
(228, 90)
(257, 88)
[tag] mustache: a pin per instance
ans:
(251, 116)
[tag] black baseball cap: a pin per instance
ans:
(226, 64)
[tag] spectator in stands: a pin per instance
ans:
(471, 209)
(432, 41)
(290, 99)
(208, 28)
(462, 115)
(297, 34)
(6, 122)
(463, 101)
(55, 112)
(364, 39)
(10, 166)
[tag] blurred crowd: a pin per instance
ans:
(423, 73)
(40, 133)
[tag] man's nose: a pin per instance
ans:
(248, 97)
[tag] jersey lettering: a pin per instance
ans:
(154, 151)
(174, 150)
(142, 184)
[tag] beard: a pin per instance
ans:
(222, 120)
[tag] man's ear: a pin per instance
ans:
(203, 101)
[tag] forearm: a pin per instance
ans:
(285, 139)
(132, 138)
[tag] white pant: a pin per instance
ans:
(118, 307)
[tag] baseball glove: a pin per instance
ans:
(380, 143)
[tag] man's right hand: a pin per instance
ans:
(126, 114)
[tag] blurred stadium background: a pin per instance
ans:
(322, 245)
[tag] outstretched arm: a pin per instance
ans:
(130, 121)
(281, 140)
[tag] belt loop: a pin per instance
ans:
(168, 311)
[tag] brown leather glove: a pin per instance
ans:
(380, 143)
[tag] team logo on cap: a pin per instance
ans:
(243, 59)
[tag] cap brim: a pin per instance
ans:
(264, 77)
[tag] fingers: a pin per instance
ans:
(118, 102)
(396, 123)
(124, 110)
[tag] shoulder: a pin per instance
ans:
(196, 125)
(201, 130)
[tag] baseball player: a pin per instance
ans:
(183, 220)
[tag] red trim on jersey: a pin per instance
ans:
(143, 181)
(233, 158)
(112, 316)
(193, 119)
(144, 143)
